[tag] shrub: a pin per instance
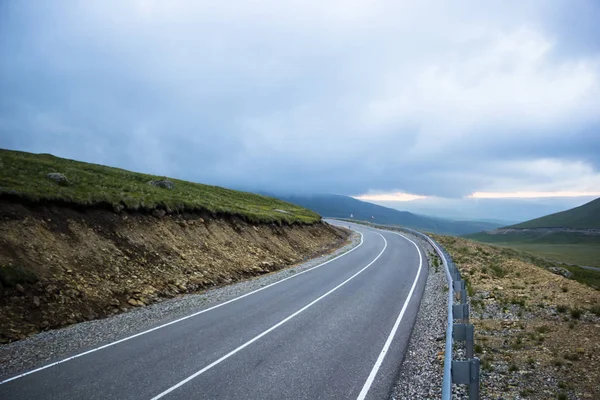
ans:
(576, 313)
(11, 275)
(542, 329)
(571, 356)
(498, 271)
(486, 364)
(558, 363)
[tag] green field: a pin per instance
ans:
(23, 176)
(578, 254)
(567, 247)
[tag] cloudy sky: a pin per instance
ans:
(421, 105)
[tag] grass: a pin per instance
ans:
(579, 254)
(486, 364)
(23, 176)
(590, 255)
(583, 217)
(561, 309)
(576, 313)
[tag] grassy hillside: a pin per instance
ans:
(337, 206)
(535, 237)
(24, 176)
(566, 247)
(586, 216)
(574, 247)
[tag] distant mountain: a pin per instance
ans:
(571, 236)
(337, 206)
(586, 216)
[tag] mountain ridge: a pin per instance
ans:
(340, 206)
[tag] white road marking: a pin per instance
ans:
(363, 393)
(180, 319)
(283, 321)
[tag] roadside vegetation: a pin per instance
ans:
(537, 331)
(571, 236)
(25, 177)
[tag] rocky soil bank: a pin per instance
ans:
(60, 266)
(536, 331)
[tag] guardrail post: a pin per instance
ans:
(461, 311)
(469, 340)
(466, 372)
(464, 333)
(474, 385)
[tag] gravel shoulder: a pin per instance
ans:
(51, 346)
(422, 370)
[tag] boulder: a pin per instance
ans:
(58, 178)
(162, 183)
(561, 271)
(158, 212)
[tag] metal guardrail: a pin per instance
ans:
(460, 372)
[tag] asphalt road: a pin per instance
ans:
(338, 331)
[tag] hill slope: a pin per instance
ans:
(25, 176)
(106, 240)
(571, 236)
(586, 216)
(337, 206)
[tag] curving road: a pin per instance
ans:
(337, 331)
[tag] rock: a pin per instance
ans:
(162, 183)
(158, 213)
(561, 271)
(133, 302)
(44, 324)
(36, 301)
(183, 223)
(58, 178)
(580, 350)
(115, 303)
(499, 288)
(117, 208)
(20, 288)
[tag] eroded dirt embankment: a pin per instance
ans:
(60, 266)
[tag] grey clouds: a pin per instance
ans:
(431, 98)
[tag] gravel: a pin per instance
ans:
(422, 370)
(51, 346)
